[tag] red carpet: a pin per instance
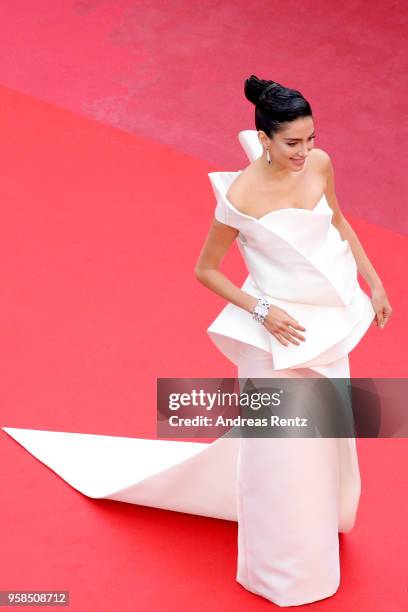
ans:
(100, 231)
(173, 73)
(99, 236)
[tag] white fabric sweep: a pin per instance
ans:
(193, 477)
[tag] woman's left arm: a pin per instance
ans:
(379, 297)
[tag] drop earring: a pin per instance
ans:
(268, 157)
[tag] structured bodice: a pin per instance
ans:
(293, 254)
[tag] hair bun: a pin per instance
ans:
(256, 90)
(264, 93)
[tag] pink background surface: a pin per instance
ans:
(173, 72)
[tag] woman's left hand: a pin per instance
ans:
(381, 306)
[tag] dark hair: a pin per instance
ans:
(274, 104)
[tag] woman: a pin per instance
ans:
(298, 314)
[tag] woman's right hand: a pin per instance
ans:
(281, 325)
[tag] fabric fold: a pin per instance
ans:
(331, 332)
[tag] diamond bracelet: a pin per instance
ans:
(261, 309)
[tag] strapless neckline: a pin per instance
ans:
(272, 212)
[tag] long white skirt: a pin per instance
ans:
(293, 497)
(289, 496)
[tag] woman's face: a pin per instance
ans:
(292, 144)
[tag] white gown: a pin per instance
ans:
(294, 495)
(290, 497)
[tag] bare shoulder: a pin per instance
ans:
(330, 191)
(240, 186)
(323, 161)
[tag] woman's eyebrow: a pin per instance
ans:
(312, 134)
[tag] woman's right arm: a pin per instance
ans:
(219, 239)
